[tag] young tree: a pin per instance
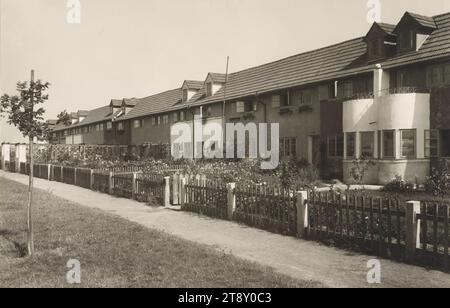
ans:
(64, 118)
(23, 112)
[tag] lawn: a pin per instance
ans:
(113, 252)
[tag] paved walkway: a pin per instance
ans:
(297, 258)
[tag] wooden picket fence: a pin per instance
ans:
(271, 209)
(122, 185)
(83, 178)
(101, 181)
(206, 197)
(434, 235)
(150, 188)
(370, 224)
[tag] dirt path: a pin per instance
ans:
(297, 258)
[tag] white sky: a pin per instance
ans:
(135, 48)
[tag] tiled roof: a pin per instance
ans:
(388, 28)
(74, 115)
(325, 64)
(51, 122)
(218, 77)
(117, 102)
(98, 115)
(336, 61)
(82, 113)
(155, 103)
(436, 46)
(424, 21)
(131, 101)
(194, 84)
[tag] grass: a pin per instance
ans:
(113, 252)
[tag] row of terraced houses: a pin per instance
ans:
(385, 96)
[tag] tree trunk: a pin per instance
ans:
(30, 202)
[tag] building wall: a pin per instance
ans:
(389, 112)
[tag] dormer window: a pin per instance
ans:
(407, 40)
(209, 89)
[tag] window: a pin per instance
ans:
(276, 101)
(336, 146)
(402, 79)
(351, 145)
(406, 40)
(108, 125)
(209, 89)
(367, 144)
(153, 121)
(137, 123)
(102, 126)
(408, 143)
(159, 120)
(175, 117)
(307, 97)
(120, 126)
(347, 89)
(288, 147)
(208, 112)
(447, 74)
(389, 144)
(240, 107)
(438, 75)
(182, 117)
(166, 119)
(431, 143)
(185, 95)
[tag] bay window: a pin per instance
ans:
(408, 143)
(367, 144)
(351, 145)
(388, 144)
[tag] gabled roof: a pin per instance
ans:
(424, 21)
(116, 102)
(328, 63)
(74, 115)
(51, 122)
(218, 77)
(388, 28)
(97, 115)
(154, 104)
(193, 84)
(82, 113)
(130, 102)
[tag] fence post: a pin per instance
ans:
(167, 191)
(133, 189)
(231, 197)
(49, 174)
(110, 183)
(412, 229)
(62, 174)
(302, 214)
(91, 186)
(176, 183)
(75, 176)
(183, 191)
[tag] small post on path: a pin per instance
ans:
(167, 191)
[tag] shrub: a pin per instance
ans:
(359, 168)
(399, 185)
(438, 183)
